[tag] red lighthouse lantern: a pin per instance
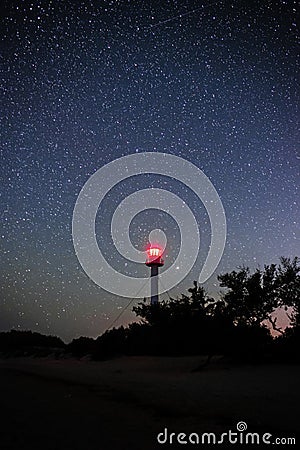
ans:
(154, 257)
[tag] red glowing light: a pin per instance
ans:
(154, 256)
(154, 252)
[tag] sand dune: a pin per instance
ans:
(124, 403)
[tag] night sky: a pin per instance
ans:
(86, 82)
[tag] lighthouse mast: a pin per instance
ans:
(154, 260)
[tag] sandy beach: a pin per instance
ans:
(124, 403)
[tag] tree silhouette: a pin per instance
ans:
(251, 298)
(196, 323)
(198, 305)
(232, 325)
(288, 287)
(186, 325)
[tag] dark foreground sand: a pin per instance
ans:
(124, 403)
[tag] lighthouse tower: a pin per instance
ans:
(154, 260)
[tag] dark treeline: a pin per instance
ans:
(26, 343)
(237, 325)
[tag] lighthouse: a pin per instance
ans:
(154, 260)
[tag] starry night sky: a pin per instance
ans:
(85, 82)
